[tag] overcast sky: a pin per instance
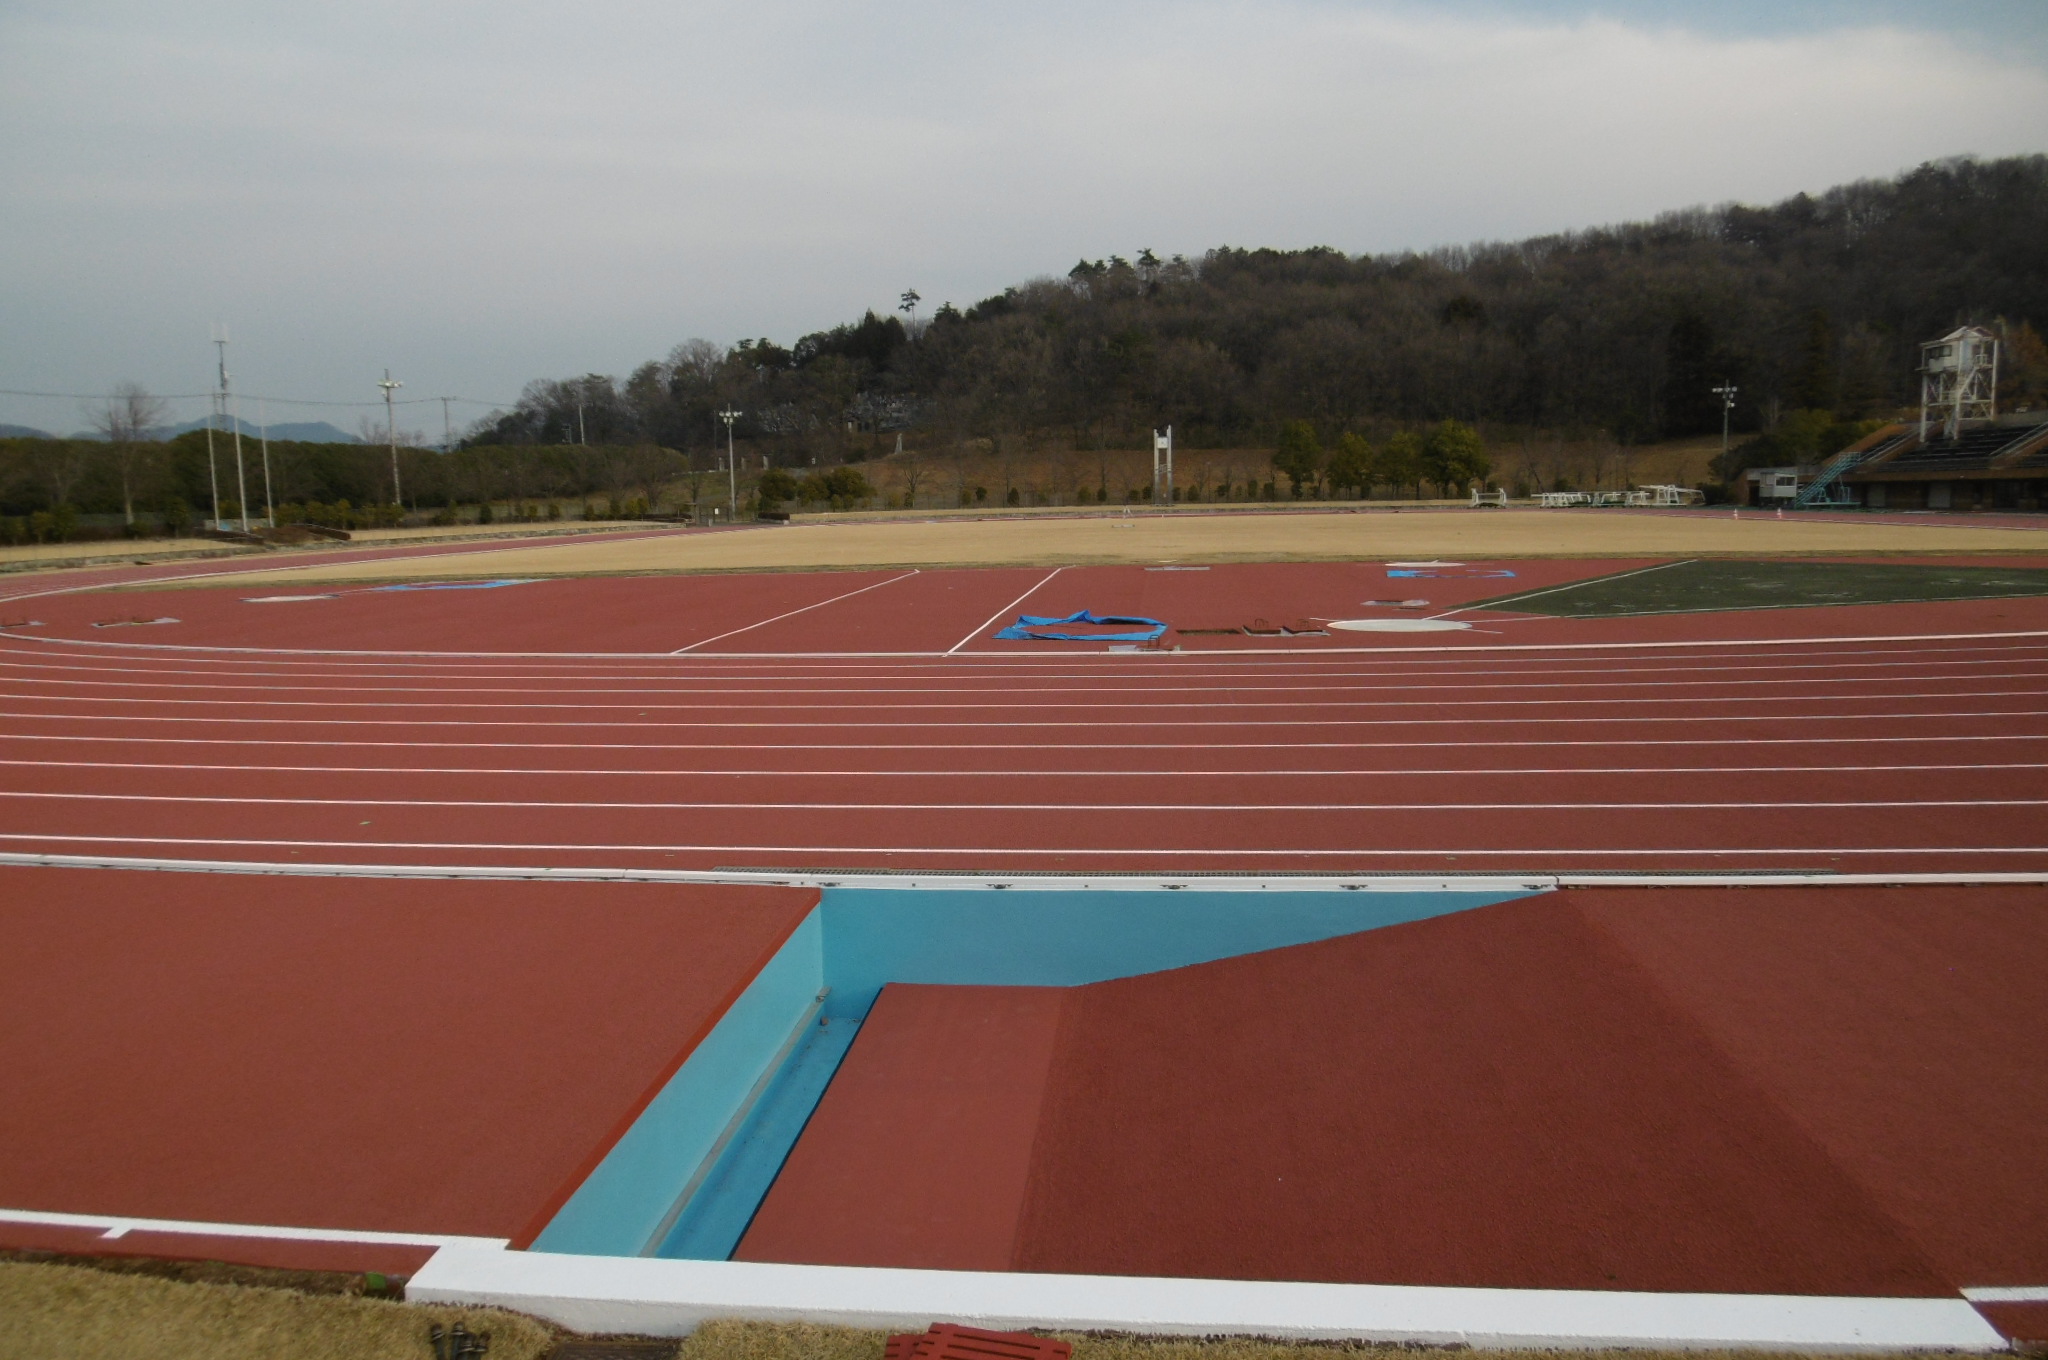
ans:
(475, 194)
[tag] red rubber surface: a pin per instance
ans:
(1834, 1091)
(1923, 753)
(939, 1100)
(371, 1055)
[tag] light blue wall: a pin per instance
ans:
(858, 940)
(617, 1209)
(1065, 939)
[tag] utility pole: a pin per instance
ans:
(234, 416)
(263, 433)
(391, 434)
(728, 415)
(212, 470)
(1726, 392)
(447, 427)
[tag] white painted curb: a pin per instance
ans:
(670, 1298)
(1025, 881)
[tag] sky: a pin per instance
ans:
(476, 194)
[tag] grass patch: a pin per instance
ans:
(57, 1312)
(1721, 584)
(801, 1341)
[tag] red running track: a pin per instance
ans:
(1784, 1091)
(1914, 749)
(370, 1055)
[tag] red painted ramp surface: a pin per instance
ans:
(920, 1151)
(1819, 1091)
(386, 1055)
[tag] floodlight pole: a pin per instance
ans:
(731, 465)
(391, 434)
(1726, 392)
(220, 343)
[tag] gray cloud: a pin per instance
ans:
(477, 194)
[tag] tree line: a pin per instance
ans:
(1816, 304)
(1358, 372)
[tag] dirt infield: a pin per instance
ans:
(1303, 537)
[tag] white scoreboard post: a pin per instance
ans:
(1162, 467)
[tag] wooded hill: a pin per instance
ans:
(1564, 352)
(1817, 303)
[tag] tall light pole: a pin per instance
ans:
(234, 417)
(728, 415)
(1726, 392)
(391, 434)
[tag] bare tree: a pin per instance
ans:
(127, 419)
(912, 468)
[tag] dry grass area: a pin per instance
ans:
(102, 551)
(803, 1341)
(1187, 537)
(55, 1312)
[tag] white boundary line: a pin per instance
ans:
(810, 878)
(1109, 657)
(1809, 853)
(2007, 1294)
(877, 585)
(628, 1294)
(1489, 605)
(554, 805)
(912, 879)
(1014, 772)
(115, 1226)
(1004, 610)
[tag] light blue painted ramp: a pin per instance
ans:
(687, 1177)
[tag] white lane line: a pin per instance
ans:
(992, 663)
(1122, 852)
(1109, 658)
(886, 876)
(1344, 687)
(1554, 590)
(1378, 661)
(561, 805)
(724, 683)
(1524, 720)
(999, 704)
(794, 612)
(808, 747)
(116, 1227)
(1014, 772)
(993, 618)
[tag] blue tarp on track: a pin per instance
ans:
(459, 585)
(1032, 628)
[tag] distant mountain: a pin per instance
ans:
(305, 432)
(23, 432)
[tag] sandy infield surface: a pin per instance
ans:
(1304, 537)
